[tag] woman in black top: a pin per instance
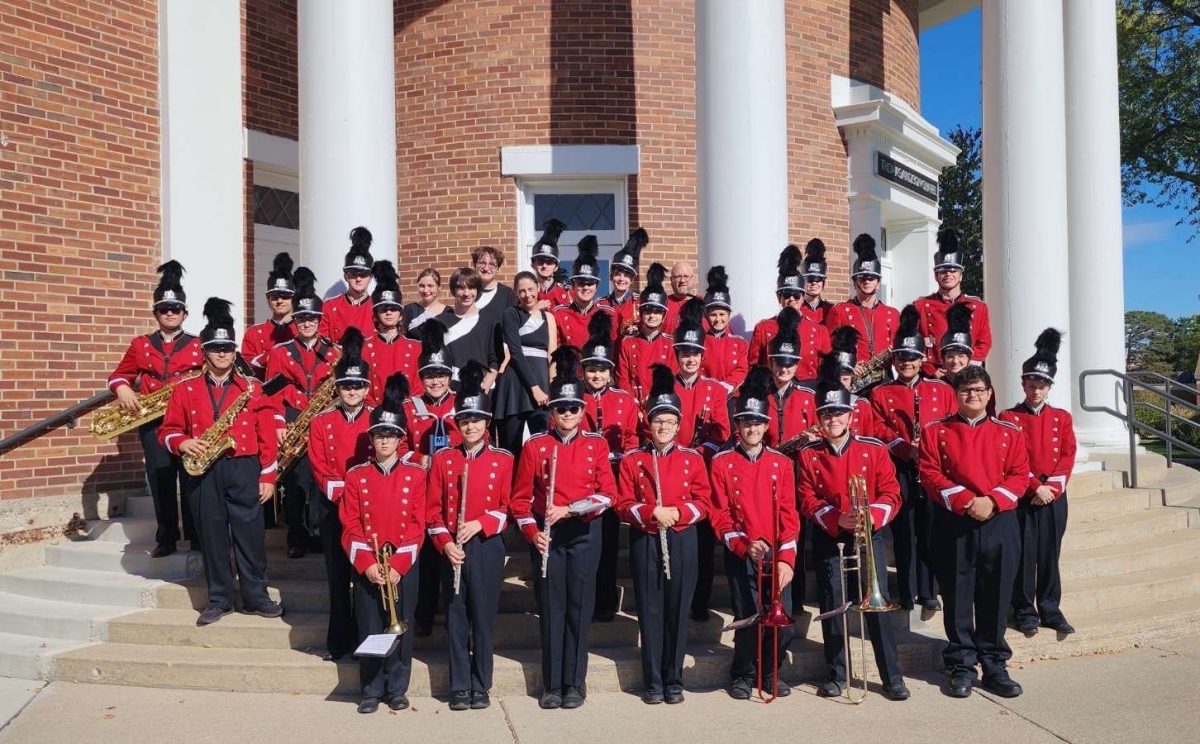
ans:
(468, 336)
(430, 305)
(530, 336)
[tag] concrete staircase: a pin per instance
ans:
(101, 610)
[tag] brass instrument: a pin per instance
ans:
(872, 371)
(775, 619)
(793, 445)
(383, 556)
(114, 421)
(549, 501)
(217, 437)
(462, 515)
(295, 439)
(663, 543)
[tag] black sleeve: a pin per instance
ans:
(511, 329)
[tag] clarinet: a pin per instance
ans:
(916, 431)
(663, 545)
(549, 501)
(698, 432)
(462, 515)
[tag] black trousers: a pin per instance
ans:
(663, 604)
(1038, 588)
(169, 484)
(387, 676)
(743, 592)
(911, 536)
(566, 600)
(471, 614)
(341, 636)
(976, 565)
(298, 489)
(227, 510)
(430, 584)
(511, 429)
(705, 546)
(881, 627)
(607, 595)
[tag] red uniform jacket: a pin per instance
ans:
(427, 419)
(893, 404)
(149, 362)
(573, 323)
(261, 338)
(823, 481)
(489, 483)
(339, 313)
(635, 358)
(195, 405)
(554, 293)
(755, 499)
(387, 506)
(863, 422)
(876, 325)
(797, 413)
(932, 309)
(960, 460)
(389, 357)
(337, 441)
(726, 359)
(682, 477)
(814, 344)
(582, 475)
(818, 313)
(616, 412)
(704, 400)
(624, 311)
(674, 304)
(1050, 437)
(304, 368)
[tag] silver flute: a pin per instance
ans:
(549, 501)
(662, 531)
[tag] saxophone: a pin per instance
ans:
(871, 371)
(793, 445)
(115, 421)
(217, 437)
(295, 440)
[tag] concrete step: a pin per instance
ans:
(1142, 525)
(143, 532)
(1131, 590)
(1191, 508)
(29, 657)
(80, 586)
(1094, 482)
(1112, 629)
(1179, 485)
(1116, 560)
(1151, 466)
(1110, 504)
(131, 559)
(139, 507)
(45, 618)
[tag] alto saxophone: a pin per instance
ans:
(217, 437)
(115, 421)
(871, 371)
(295, 440)
(793, 445)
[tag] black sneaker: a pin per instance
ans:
(267, 609)
(1001, 684)
(740, 689)
(480, 700)
(210, 615)
(460, 700)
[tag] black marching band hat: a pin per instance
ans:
(653, 294)
(788, 281)
(689, 334)
(586, 267)
(717, 294)
(662, 393)
(435, 357)
(845, 347)
(815, 264)
(785, 346)
(958, 329)
(752, 397)
(389, 416)
(547, 245)
(359, 256)
(280, 281)
(908, 339)
(597, 352)
(832, 395)
(170, 288)
(387, 287)
(350, 368)
(471, 402)
(218, 331)
(626, 259)
(948, 255)
(306, 301)
(566, 387)
(866, 260)
(1043, 365)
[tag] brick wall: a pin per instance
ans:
(270, 88)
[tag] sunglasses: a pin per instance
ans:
(352, 385)
(170, 310)
(569, 409)
(357, 273)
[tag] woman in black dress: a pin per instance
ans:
(530, 336)
(429, 304)
(468, 334)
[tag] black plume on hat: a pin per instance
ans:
(471, 400)
(844, 341)
(306, 300)
(585, 265)
(947, 254)
(1044, 362)
(752, 396)
(958, 328)
(908, 337)
(789, 261)
(547, 245)
(866, 259)
(831, 393)
(219, 327)
(662, 392)
(627, 257)
(717, 294)
(566, 387)
(597, 350)
(653, 292)
(359, 256)
(814, 258)
(389, 414)
(280, 278)
(692, 311)
(788, 320)
(387, 284)
(170, 280)
(434, 354)
(689, 333)
(350, 365)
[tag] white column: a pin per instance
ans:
(200, 93)
(1094, 205)
(742, 157)
(347, 132)
(1024, 188)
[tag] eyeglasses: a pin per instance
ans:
(567, 409)
(973, 392)
(221, 350)
(584, 282)
(946, 270)
(486, 265)
(306, 319)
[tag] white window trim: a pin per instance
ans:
(269, 149)
(570, 160)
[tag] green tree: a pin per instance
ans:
(1149, 342)
(1158, 48)
(961, 203)
(1185, 338)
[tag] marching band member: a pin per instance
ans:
(823, 475)
(663, 493)
(573, 318)
(469, 487)
(844, 357)
(896, 412)
(152, 361)
(975, 469)
(338, 440)
(955, 348)
(564, 482)
(754, 512)
(792, 406)
(815, 269)
(1042, 510)
(387, 350)
(622, 273)
(262, 337)
(384, 504)
(613, 414)
(874, 321)
(683, 278)
(304, 363)
(545, 264)
(227, 502)
(726, 354)
(638, 352)
(352, 307)
(815, 337)
(948, 271)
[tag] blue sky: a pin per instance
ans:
(1160, 266)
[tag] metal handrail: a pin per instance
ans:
(1130, 381)
(66, 417)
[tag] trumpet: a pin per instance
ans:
(383, 557)
(462, 516)
(663, 543)
(775, 619)
(549, 501)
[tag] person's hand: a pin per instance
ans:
(127, 400)
(1043, 495)
(666, 516)
(543, 305)
(539, 396)
(543, 541)
(811, 436)
(456, 554)
(981, 509)
(467, 530)
(785, 573)
(757, 550)
(280, 433)
(914, 453)
(939, 373)
(374, 574)
(489, 380)
(555, 513)
(860, 369)
(848, 520)
(193, 447)
(266, 491)
(393, 575)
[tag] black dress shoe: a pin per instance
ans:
(673, 695)
(896, 690)
(1029, 630)
(480, 700)
(701, 615)
(368, 705)
(604, 616)
(550, 700)
(652, 697)
(1060, 626)
(334, 655)
(960, 685)
(210, 615)
(296, 551)
(572, 698)
(931, 605)
(782, 689)
(460, 700)
(398, 702)
(1003, 685)
(162, 551)
(423, 630)
(740, 689)
(267, 609)
(829, 688)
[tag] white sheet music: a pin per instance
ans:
(379, 644)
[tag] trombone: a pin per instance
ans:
(775, 619)
(383, 556)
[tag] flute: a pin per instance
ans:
(662, 531)
(549, 501)
(462, 515)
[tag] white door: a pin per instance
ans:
(276, 227)
(597, 207)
